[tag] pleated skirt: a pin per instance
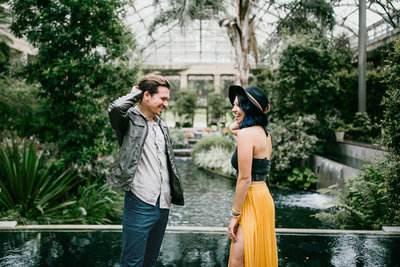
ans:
(258, 224)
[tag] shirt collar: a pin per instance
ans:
(155, 118)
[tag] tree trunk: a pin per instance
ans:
(242, 46)
(239, 30)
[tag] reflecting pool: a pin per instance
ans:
(209, 198)
(102, 248)
(208, 202)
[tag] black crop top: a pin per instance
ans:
(259, 170)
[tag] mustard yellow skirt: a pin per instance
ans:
(258, 224)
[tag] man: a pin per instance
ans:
(145, 169)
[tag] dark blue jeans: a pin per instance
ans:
(143, 228)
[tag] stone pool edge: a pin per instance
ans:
(12, 226)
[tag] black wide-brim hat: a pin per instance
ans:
(256, 96)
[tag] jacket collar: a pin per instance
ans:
(157, 119)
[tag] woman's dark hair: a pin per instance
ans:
(253, 115)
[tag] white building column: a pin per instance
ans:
(184, 81)
(217, 83)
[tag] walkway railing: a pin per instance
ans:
(376, 33)
(11, 226)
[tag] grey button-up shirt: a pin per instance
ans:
(152, 178)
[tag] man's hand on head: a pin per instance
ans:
(134, 88)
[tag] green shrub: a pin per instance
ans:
(306, 82)
(391, 102)
(216, 104)
(301, 178)
(363, 130)
(20, 107)
(185, 106)
(95, 202)
(205, 144)
(337, 124)
(292, 144)
(391, 125)
(177, 138)
(216, 158)
(77, 80)
(372, 200)
(347, 98)
(27, 183)
(376, 89)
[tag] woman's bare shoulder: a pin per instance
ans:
(250, 133)
(245, 132)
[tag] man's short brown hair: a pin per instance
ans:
(151, 82)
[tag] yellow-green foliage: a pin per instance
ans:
(217, 158)
(207, 142)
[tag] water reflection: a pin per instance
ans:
(21, 250)
(102, 248)
(209, 199)
(353, 250)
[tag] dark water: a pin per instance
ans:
(209, 200)
(102, 248)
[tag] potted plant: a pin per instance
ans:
(339, 127)
(339, 133)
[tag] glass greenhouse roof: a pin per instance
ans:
(208, 43)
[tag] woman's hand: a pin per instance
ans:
(232, 228)
(234, 127)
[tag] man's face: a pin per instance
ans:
(157, 102)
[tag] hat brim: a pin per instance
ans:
(234, 90)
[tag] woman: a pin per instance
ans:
(252, 225)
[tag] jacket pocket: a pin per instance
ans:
(135, 131)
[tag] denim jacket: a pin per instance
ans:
(131, 129)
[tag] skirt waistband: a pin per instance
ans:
(258, 187)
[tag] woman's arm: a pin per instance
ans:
(269, 144)
(245, 159)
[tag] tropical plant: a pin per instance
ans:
(388, 10)
(95, 202)
(207, 142)
(239, 22)
(241, 19)
(307, 16)
(27, 183)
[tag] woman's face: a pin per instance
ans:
(237, 111)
